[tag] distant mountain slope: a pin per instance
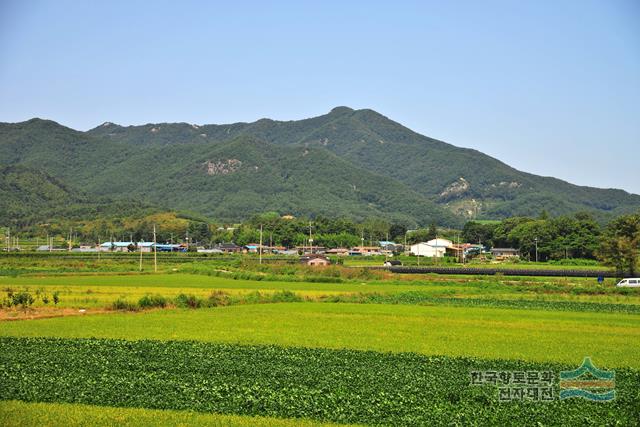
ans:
(29, 196)
(348, 162)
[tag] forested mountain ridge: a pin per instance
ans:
(355, 163)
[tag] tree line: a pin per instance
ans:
(616, 244)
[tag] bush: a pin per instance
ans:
(24, 299)
(218, 298)
(188, 301)
(286, 296)
(574, 261)
(123, 304)
(152, 301)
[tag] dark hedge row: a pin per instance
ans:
(505, 271)
(329, 385)
(420, 298)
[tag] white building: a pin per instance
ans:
(433, 248)
(440, 242)
(124, 246)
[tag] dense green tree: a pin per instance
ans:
(501, 235)
(530, 235)
(199, 232)
(432, 231)
(621, 244)
(475, 232)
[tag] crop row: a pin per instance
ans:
(526, 304)
(345, 386)
(538, 272)
(220, 298)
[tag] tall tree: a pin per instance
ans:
(620, 246)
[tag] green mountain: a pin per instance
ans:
(354, 163)
(29, 196)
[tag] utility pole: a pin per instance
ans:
(386, 251)
(99, 248)
(140, 257)
(187, 240)
(536, 240)
(155, 251)
(310, 240)
(260, 247)
(437, 246)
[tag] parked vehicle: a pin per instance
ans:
(629, 283)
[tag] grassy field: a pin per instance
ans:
(94, 290)
(301, 314)
(612, 339)
(22, 414)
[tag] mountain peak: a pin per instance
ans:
(109, 124)
(39, 121)
(341, 110)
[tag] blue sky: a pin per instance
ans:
(549, 87)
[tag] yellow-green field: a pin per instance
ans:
(612, 339)
(100, 290)
(21, 414)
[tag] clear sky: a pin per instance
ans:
(549, 87)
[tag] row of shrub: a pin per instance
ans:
(220, 298)
(339, 386)
(24, 299)
(287, 272)
(215, 299)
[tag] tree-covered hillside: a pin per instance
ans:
(29, 197)
(354, 163)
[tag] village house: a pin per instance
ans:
(338, 251)
(116, 246)
(433, 248)
(504, 253)
(365, 250)
(216, 251)
(229, 248)
(311, 249)
(144, 246)
(315, 260)
(391, 246)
